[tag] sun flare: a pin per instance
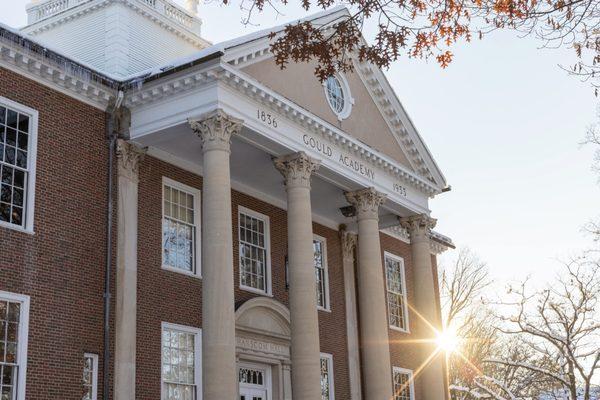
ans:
(448, 341)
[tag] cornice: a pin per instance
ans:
(86, 8)
(244, 84)
(70, 79)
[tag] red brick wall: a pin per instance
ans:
(176, 298)
(61, 266)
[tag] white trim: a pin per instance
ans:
(31, 164)
(326, 269)
(329, 358)
(197, 355)
(411, 379)
(94, 358)
(348, 99)
(387, 254)
(23, 338)
(197, 267)
(269, 284)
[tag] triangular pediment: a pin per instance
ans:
(365, 122)
(377, 118)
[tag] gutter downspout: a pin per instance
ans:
(112, 140)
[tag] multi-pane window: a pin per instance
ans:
(13, 320)
(90, 377)
(403, 384)
(396, 292)
(254, 251)
(15, 154)
(180, 216)
(327, 377)
(320, 255)
(180, 363)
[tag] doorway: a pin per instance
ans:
(255, 381)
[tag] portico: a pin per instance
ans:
(238, 134)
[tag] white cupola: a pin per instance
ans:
(118, 37)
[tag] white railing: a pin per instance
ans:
(40, 11)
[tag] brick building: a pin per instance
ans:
(183, 220)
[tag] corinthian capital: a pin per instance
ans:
(366, 201)
(296, 169)
(129, 157)
(215, 129)
(418, 226)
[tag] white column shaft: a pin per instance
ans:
(348, 262)
(376, 371)
(219, 370)
(128, 157)
(306, 371)
(432, 379)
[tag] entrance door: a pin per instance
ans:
(255, 381)
(252, 394)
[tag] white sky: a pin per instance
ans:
(504, 123)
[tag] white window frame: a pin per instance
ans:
(23, 338)
(94, 358)
(197, 356)
(197, 268)
(31, 164)
(348, 99)
(405, 294)
(329, 358)
(410, 374)
(269, 284)
(326, 273)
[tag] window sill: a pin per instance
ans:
(16, 228)
(397, 329)
(256, 291)
(319, 308)
(181, 271)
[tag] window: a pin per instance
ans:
(90, 376)
(18, 128)
(181, 219)
(396, 292)
(14, 319)
(320, 252)
(337, 92)
(254, 251)
(327, 392)
(181, 362)
(403, 384)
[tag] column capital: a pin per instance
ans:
(418, 226)
(296, 168)
(215, 129)
(366, 201)
(129, 156)
(349, 242)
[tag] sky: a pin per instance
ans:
(504, 124)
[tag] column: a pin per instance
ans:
(128, 158)
(376, 371)
(219, 371)
(306, 366)
(349, 241)
(432, 376)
